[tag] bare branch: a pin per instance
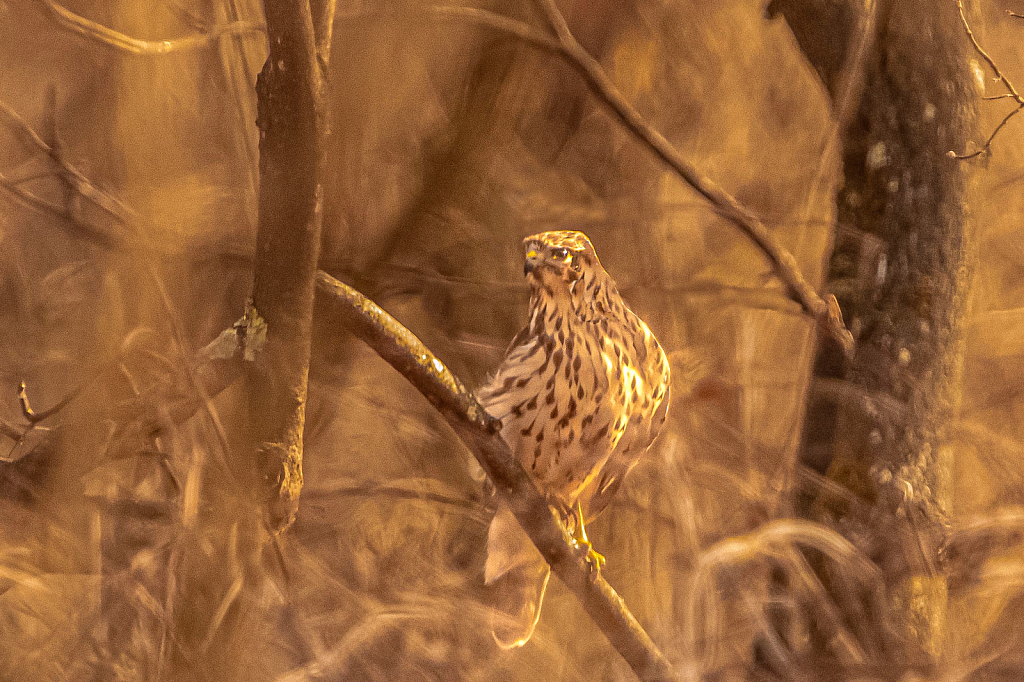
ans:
(422, 490)
(479, 431)
(210, 371)
(34, 417)
(107, 36)
(569, 49)
(9, 430)
(1011, 91)
(75, 178)
(987, 147)
(873, 405)
(984, 55)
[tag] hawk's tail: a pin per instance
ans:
(517, 576)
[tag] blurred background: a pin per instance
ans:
(128, 193)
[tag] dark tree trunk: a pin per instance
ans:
(900, 270)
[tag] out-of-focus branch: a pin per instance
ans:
(1010, 94)
(72, 175)
(419, 490)
(873, 405)
(210, 371)
(293, 122)
(826, 312)
(107, 36)
(970, 545)
(479, 431)
(323, 17)
(825, 31)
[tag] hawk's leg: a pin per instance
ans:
(594, 558)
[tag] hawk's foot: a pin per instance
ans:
(595, 560)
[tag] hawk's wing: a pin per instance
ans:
(640, 433)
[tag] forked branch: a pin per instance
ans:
(1011, 92)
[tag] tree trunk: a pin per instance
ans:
(293, 125)
(900, 270)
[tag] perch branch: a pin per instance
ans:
(107, 36)
(479, 431)
(565, 46)
(1010, 94)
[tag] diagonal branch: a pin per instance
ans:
(479, 431)
(984, 55)
(565, 46)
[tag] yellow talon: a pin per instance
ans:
(594, 559)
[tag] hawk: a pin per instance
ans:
(581, 394)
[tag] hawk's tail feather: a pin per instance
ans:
(517, 577)
(516, 599)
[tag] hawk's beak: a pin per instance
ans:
(531, 262)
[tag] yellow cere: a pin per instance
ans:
(531, 253)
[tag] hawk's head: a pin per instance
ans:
(555, 260)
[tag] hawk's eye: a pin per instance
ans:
(560, 254)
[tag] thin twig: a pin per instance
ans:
(479, 431)
(871, 404)
(1011, 91)
(984, 55)
(727, 206)
(416, 489)
(34, 417)
(11, 431)
(986, 148)
(76, 179)
(107, 36)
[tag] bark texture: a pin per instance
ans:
(901, 271)
(292, 120)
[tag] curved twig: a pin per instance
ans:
(110, 37)
(984, 55)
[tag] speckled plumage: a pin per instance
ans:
(581, 394)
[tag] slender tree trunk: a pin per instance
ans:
(293, 125)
